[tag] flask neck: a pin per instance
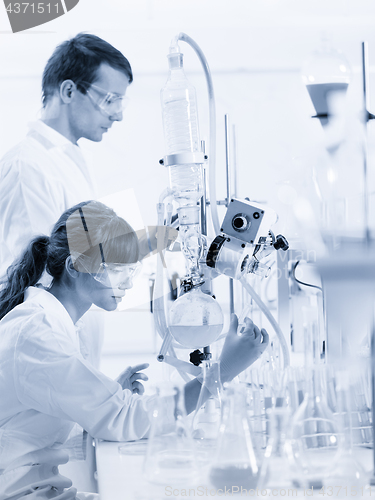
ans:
(279, 419)
(175, 61)
(234, 411)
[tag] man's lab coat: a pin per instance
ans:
(40, 178)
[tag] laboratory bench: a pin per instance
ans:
(120, 477)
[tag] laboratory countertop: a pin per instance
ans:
(120, 477)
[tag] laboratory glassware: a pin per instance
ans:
(325, 72)
(235, 463)
(206, 418)
(170, 457)
(345, 470)
(313, 435)
(195, 319)
(181, 131)
(275, 471)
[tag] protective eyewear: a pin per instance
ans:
(109, 103)
(117, 274)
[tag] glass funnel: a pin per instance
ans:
(313, 437)
(195, 319)
(235, 465)
(170, 457)
(325, 72)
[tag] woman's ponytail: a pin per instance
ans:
(25, 272)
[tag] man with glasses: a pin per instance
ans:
(83, 92)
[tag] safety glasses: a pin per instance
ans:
(116, 275)
(111, 104)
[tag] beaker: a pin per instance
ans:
(313, 443)
(206, 418)
(195, 319)
(170, 457)
(235, 463)
(276, 469)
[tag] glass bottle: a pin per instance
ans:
(170, 457)
(235, 463)
(313, 443)
(276, 470)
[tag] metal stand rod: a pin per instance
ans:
(366, 117)
(204, 197)
(372, 361)
(229, 195)
(366, 99)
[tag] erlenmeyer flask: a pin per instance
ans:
(206, 418)
(235, 464)
(313, 443)
(276, 470)
(345, 469)
(170, 457)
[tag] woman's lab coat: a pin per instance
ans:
(46, 386)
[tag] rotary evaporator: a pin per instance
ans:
(242, 241)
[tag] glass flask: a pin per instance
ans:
(195, 319)
(170, 457)
(327, 71)
(313, 436)
(276, 470)
(206, 418)
(235, 464)
(345, 471)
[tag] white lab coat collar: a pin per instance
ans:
(48, 301)
(50, 135)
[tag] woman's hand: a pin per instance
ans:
(240, 351)
(130, 376)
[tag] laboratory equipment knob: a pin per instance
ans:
(196, 357)
(281, 243)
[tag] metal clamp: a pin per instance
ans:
(183, 159)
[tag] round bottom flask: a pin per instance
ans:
(196, 319)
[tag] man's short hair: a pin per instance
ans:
(78, 59)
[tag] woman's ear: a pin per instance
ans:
(70, 269)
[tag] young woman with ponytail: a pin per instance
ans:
(46, 384)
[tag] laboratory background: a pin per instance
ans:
(305, 161)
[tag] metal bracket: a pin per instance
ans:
(183, 159)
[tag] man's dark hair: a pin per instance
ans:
(78, 59)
